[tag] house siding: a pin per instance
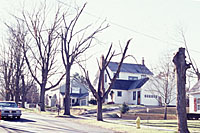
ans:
(191, 103)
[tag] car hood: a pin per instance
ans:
(9, 108)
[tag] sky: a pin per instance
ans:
(153, 25)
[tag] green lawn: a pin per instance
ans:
(147, 126)
(122, 128)
(104, 106)
(193, 125)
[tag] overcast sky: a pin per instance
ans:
(153, 25)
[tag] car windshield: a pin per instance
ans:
(8, 104)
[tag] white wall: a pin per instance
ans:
(123, 98)
(125, 75)
(152, 101)
(147, 90)
(191, 102)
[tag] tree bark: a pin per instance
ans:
(23, 91)
(181, 67)
(42, 98)
(165, 112)
(17, 89)
(99, 110)
(67, 93)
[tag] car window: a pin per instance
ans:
(8, 104)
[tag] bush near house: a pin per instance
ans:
(93, 101)
(124, 108)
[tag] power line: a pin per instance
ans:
(129, 29)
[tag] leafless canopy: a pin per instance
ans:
(99, 93)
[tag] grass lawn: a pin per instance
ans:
(128, 125)
(120, 127)
(91, 107)
(193, 125)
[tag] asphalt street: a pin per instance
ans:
(37, 123)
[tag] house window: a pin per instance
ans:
(119, 93)
(132, 78)
(134, 95)
(75, 90)
(143, 76)
(198, 103)
(73, 101)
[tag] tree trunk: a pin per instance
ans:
(7, 94)
(181, 67)
(42, 98)
(67, 100)
(165, 112)
(99, 110)
(23, 91)
(17, 91)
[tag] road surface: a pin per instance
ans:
(37, 123)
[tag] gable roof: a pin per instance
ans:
(129, 84)
(77, 95)
(74, 83)
(195, 88)
(130, 68)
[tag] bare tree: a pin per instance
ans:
(193, 63)
(163, 84)
(181, 67)
(27, 84)
(42, 52)
(80, 78)
(100, 93)
(17, 36)
(74, 44)
(7, 72)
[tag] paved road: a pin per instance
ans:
(37, 123)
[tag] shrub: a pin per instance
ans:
(93, 101)
(124, 108)
(110, 103)
(113, 115)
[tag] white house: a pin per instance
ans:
(78, 94)
(194, 98)
(127, 87)
(131, 85)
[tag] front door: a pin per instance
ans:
(138, 98)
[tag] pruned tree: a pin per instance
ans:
(181, 67)
(42, 51)
(193, 63)
(163, 84)
(100, 93)
(74, 42)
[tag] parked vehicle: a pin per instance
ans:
(193, 116)
(9, 109)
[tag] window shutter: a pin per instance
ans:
(195, 104)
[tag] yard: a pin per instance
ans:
(150, 122)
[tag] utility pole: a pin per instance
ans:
(181, 67)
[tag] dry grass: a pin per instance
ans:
(120, 127)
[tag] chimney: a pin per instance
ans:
(142, 60)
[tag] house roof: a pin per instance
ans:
(77, 95)
(130, 68)
(129, 84)
(195, 88)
